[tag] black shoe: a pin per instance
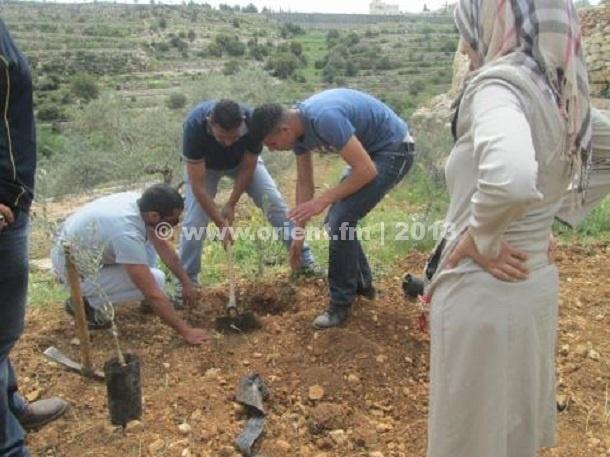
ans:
(41, 412)
(370, 293)
(94, 320)
(333, 316)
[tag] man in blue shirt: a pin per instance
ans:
(17, 170)
(217, 143)
(378, 149)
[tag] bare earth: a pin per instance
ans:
(373, 374)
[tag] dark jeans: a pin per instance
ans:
(13, 294)
(348, 268)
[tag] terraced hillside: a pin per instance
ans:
(145, 52)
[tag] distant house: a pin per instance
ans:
(381, 7)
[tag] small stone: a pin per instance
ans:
(134, 426)
(156, 446)
(166, 365)
(582, 350)
(33, 395)
(384, 428)
(75, 342)
(304, 451)
(565, 350)
(257, 355)
(381, 358)
(184, 428)
(197, 414)
(594, 442)
(353, 379)
(186, 453)
(316, 392)
(211, 373)
(376, 454)
(283, 445)
(594, 355)
(246, 363)
(338, 436)
(562, 402)
(226, 451)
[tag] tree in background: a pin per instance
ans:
(84, 87)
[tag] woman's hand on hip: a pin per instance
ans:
(508, 266)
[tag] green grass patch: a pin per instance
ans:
(44, 291)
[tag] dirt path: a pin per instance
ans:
(373, 373)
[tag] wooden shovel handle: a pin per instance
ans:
(80, 319)
(232, 301)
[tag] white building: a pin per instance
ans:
(381, 7)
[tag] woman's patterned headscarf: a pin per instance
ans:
(544, 37)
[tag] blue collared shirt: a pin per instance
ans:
(332, 117)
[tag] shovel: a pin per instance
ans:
(86, 367)
(57, 356)
(233, 320)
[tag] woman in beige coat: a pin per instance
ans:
(523, 133)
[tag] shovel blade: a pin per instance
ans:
(244, 322)
(57, 356)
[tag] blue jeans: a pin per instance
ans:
(13, 294)
(348, 267)
(264, 193)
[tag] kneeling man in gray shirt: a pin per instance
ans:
(114, 242)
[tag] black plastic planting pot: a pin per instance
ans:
(412, 286)
(124, 390)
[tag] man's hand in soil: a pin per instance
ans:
(195, 336)
(6, 216)
(189, 292)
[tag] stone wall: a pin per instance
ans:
(595, 24)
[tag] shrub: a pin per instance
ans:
(231, 67)
(178, 43)
(51, 113)
(214, 50)
(332, 38)
(85, 87)
(290, 30)
(162, 46)
(283, 65)
(176, 101)
(230, 44)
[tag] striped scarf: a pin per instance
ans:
(542, 36)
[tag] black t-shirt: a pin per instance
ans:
(199, 144)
